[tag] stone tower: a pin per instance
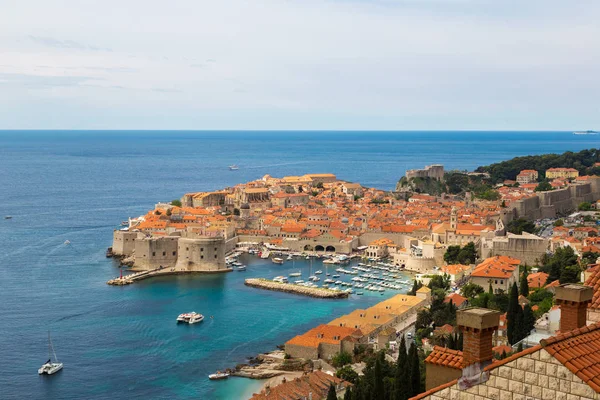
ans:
(245, 211)
(453, 219)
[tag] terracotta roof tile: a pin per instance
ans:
(445, 357)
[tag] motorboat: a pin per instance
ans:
(8, 217)
(319, 272)
(241, 267)
(290, 257)
(190, 318)
(233, 167)
(277, 260)
(295, 274)
(50, 367)
(124, 223)
(218, 375)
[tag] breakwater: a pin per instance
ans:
(297, 289)
(138, 276)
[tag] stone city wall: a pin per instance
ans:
(152, 253)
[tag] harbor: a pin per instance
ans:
(321, 293)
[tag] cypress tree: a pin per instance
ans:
(524, 285)
(528, 320)
(459, 345)
(415, 372)
(511, 315)
(401, 376)
(520, 347)
(378, 380)
(348, 394)
(331, 394)
(451, 342)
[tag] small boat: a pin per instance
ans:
(67, 242)
(241, 267)
(290, 257)
(190, 318)
(280, 279)
(277, 260)
(359, 293)
(233, 167)
(586, 133)
(8, 217)
(319, 272)
(50, 367)
(218, 375)
(294, 274)
(124, 223)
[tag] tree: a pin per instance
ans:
(585, 206)
(513, 328)
(518, 226)
(543, 186)
(468, 254)
(528, 320)
(451, 255)
(555, 264)
(176, 203)
(236, 211)
(415, 371)
(348, 394)
(341, 359)
(169, 213)
(589, 257)
(331, 395)
(348, 374)
(570, 274)
(440, 282)
(378, 380)
(416, 286)
(401, 375)
(319, 185)
(559, 222)
(424, 319)
(524, 285)
(470, 290)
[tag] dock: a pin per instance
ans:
(138, 276)
(321, 293)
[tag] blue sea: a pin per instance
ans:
(122, 342)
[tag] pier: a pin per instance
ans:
(291, 288)
(138, 276)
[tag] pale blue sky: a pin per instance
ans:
(300, 64)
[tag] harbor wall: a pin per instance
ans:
(123, 242)
(152, 253)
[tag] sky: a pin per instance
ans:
(300, 64)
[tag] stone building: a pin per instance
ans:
(560, 367)
(435, 171)
(499, 272)
(314, 385)
(323, 342)
(527, 176)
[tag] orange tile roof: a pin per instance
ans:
(315, 384)
(323, 334)
(579, 351)
(445, 357)
(456, 299)
(594, 282)
(537, 280)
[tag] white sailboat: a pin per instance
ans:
(50, 367)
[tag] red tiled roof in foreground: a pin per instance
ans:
(579, 351)
(445, 357)
(316, 382)
(594, 282)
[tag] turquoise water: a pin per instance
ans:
(122, 342)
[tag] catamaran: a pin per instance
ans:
(50, 367)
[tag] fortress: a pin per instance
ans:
(189, 254)
(434, 171)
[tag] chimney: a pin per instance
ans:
(478, 325)
(573, 300)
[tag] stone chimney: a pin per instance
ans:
(573, 300)
(478, 326)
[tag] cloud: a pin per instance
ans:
(64, 44)
(28, 81)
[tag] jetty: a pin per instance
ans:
(138, 276)
(321, 293)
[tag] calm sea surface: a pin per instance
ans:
(122, 342)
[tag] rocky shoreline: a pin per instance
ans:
(291, 288)
(269, 365)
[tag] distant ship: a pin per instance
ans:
(586, 133)
(233, 167)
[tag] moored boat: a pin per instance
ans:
(190, 318)
(218, 375)
(50, 367)
(277, 260)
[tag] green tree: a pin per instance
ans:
(348, 374)
(176, 203)
(378, 380)
(341, 359)
(528, 320)
(401, 375)
(589, 257)
(451, 255)
(331, 395)
(513, 327)
(555, 264)
(416, 286)
(559, 222)
(439, 282)
(524, 285)
(543, 186)
(468, 254)
(319, 185)
(415, 370)
(585, 206)
(348, 394)
(470, 290)
(518, 226)
(424, 319)
(169, 213)
(570, 274)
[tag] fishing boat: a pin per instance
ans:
(50, 367)
(190, 318)
(277, 260)
(218, 375)
(233, 167)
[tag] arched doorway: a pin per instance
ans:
(330, 248)
(308, 247)
(319, 248)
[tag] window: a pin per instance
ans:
(153, 253)
(215, 249)
(187, 249)
(201, 248)
(164, 253)
(215, 256)
(202, 257)
(173, 253)
(496, 281)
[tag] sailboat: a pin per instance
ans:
(50, 367)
